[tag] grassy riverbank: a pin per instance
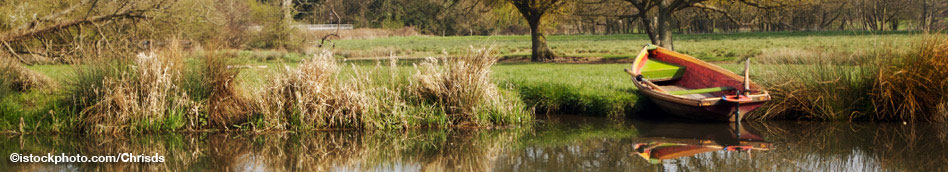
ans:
(813, 76)
(171, 91)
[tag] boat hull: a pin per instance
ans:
(728, 96)
(722, 112)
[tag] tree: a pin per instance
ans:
(534, 11)
(657, 23)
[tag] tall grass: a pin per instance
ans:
(889, 84)
(141, 98)
(226, 106)
(823, 91)
(312, 96)
(915, 86)
(461, 86)
(442, 92)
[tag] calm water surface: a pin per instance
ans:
(565, 143)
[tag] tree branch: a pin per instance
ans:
(722, 11)
(16, 35)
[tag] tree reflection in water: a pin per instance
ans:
(560, 144)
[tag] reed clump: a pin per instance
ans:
(461, 86)
(915, 86)
(141, 97)
(226, 106)
(320, 93)
(312, 96)
(816, 92)
(888, 85)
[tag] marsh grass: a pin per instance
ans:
(139, 99)
(225, 104)
(822, 91)
(915, 86)
(889, 84)
(311, 96)
(454, 91)
(462, 87)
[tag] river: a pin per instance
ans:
(561, 143)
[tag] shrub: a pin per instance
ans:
(273, 32)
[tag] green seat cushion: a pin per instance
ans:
(658, 70)
(700, 91)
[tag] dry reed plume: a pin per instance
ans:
(140, 98)
(312, 96)
(460, 85)
(452, 91)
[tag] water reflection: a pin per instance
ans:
(668, 141)
(558, 144)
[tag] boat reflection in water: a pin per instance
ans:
(666, 141)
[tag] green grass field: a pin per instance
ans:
(711, 47)
(588, 89)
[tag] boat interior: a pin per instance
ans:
(672, 79)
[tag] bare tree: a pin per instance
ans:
(534, 11)
(930, 10)
(658, 22)
(59, 32)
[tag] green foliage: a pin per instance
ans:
(274, 33)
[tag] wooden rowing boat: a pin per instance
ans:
(690, 88)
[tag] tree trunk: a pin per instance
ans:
(925, 19)
(541, 53)
(664, 34)
(650, 29)
(287, 11)
(894, 25)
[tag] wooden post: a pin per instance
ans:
(747, 76)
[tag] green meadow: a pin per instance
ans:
(710, 47)
(557, 88)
